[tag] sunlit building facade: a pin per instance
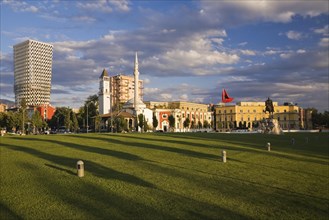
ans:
(247, 115)
(32, 72)
(199, 115)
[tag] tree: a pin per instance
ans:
(3, 117)
(23, 114)
(171, 120)
(145, 126)
(206, 124)
(155, 122)
(90, 109)
(186, 123)
(199, 124)
(141, 121)
(13, 120)
(36, 121)
(320, 119)
(75, 124)
(67, 120)
(193, 124)
(98, 123)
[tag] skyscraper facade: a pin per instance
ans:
(32, 72)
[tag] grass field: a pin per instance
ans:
(165, 176)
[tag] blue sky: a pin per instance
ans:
(188, 50)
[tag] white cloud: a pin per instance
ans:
(95, 6)
(294, 35)
(324, 42)
(265, 10)
(242, 44)
(193, 58)
(86, 19)
(148, 91)
(248, 52)
(183, 97)
(324, 31)
(104, 6)
(146, 81)
(286, 55)
(121, 5)
(166, 96)
(21, 6)
(301, 51)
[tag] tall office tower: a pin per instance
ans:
(32, 72)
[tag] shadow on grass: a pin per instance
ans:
(93, 149)
(277, 168)
(185, 152)
(7, 213)
(203, 181)
(87, 200)
(60, 169)
(92, 167)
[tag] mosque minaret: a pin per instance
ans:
(136, 76)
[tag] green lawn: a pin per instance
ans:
(165, 176)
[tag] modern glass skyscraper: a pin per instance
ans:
(32, 72)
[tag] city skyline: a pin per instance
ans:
(188, 50)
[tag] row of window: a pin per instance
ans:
(165, 116)
(254, 111)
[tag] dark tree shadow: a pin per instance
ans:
(91, 167)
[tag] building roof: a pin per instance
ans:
(104, 73)
(130, 104)
(115, 114)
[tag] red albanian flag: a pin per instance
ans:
(225, 97)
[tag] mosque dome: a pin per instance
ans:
(130, 104)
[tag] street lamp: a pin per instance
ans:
(87, 105)
(111, 122)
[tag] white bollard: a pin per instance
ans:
(268, 146)
(224, 156)
(80, 168)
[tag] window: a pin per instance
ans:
(164, 116)
(231, 111)
(241, 111)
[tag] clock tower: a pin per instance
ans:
(104, 95)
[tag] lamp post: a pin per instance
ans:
(87, 105)
(111, 122)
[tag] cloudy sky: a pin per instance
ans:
(188, 50)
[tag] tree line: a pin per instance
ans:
(88, 118)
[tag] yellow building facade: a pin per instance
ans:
(247, 115)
